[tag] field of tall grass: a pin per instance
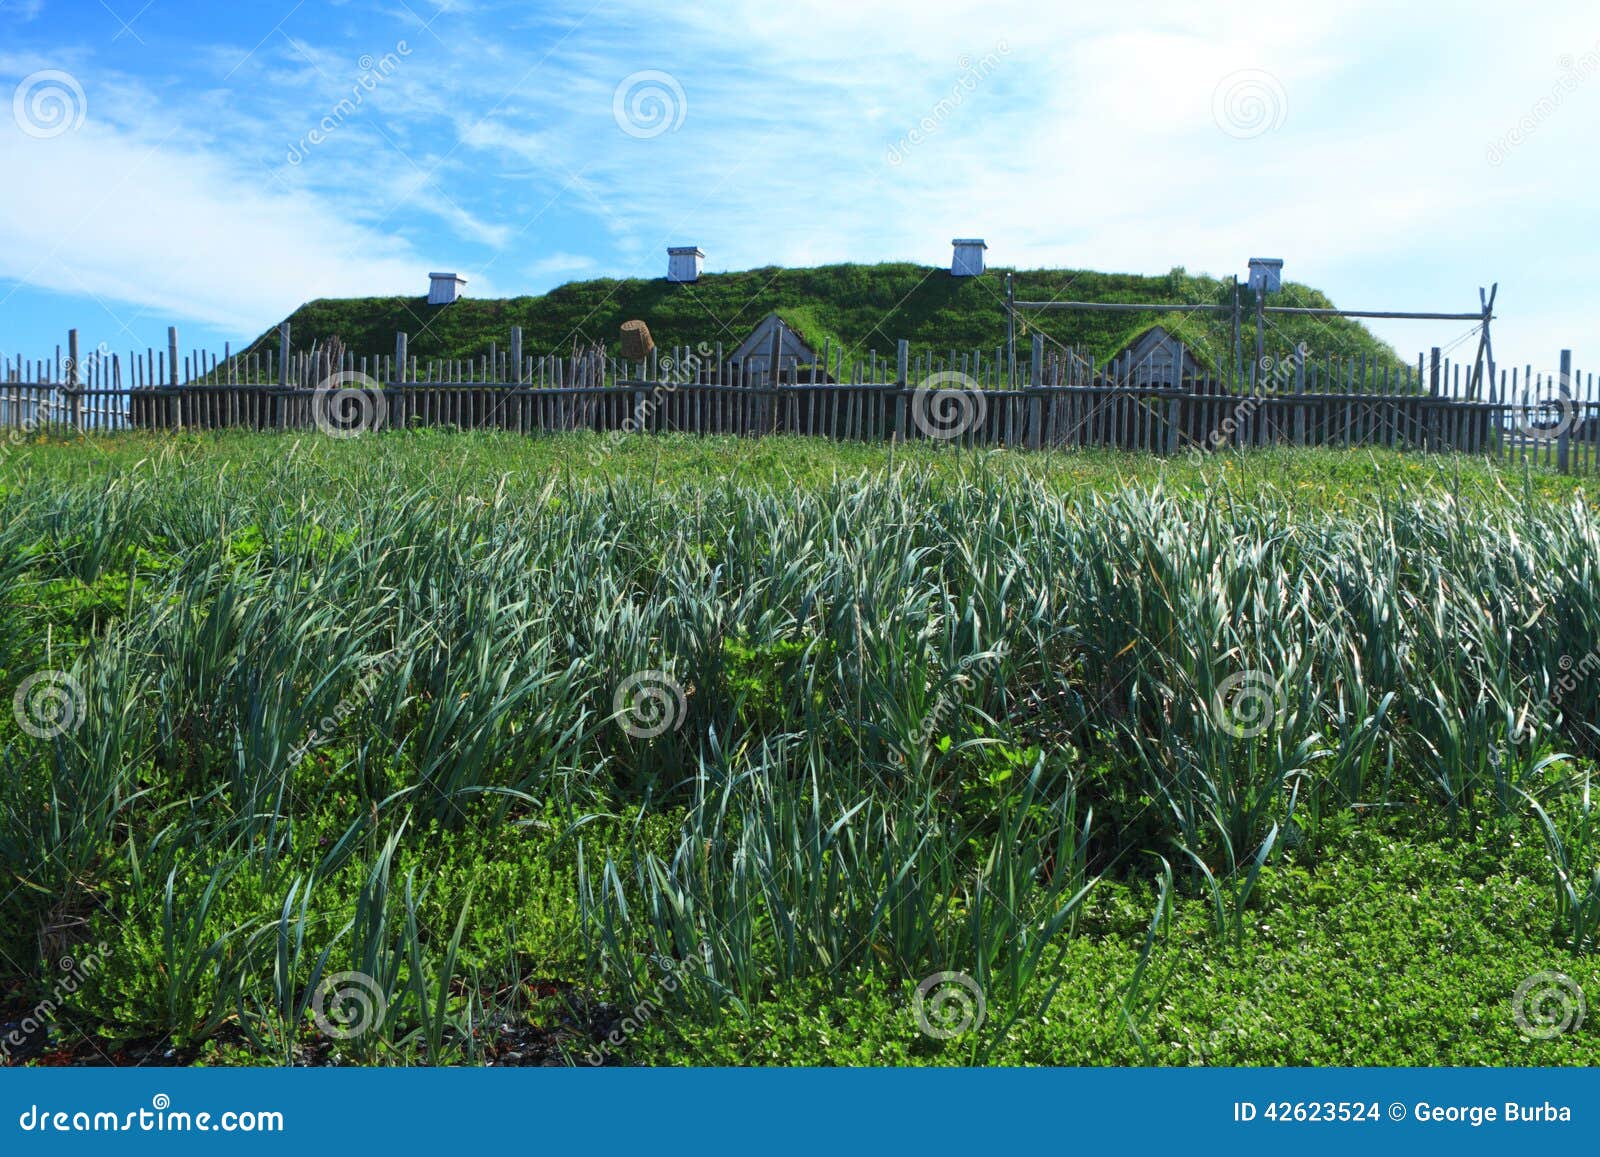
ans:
(433, 748)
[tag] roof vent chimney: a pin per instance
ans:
(443, 288)
(968, 258)
(1266, 274)
(684, 263)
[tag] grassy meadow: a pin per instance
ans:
(444, 748)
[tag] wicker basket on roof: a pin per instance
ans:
(636, 341)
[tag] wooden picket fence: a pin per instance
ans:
(1060, 400)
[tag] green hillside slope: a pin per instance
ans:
(860, 307)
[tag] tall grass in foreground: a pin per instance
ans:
(914, 721)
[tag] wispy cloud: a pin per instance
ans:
(21, 10)
(183, 232)
(560, 264)
(1103, 137)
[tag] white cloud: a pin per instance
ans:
(22, 10)
(1094, 142)
(559, 263)
(1090, 142)
(180, 231)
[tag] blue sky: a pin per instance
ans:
(214, 165)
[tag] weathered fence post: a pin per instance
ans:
(394, 410)
(1435, 362)
(1300, 388)
(1238, 348)
(175, 406)
(72, 380)
(1036, 403)
(774, 377)
(1568, 413)
(516, 354)
(902, 380)
(280, 403)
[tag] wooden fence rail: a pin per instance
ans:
(1129, 418)
(1062, 400)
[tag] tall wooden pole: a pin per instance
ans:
(1261, 334)
(1011, 331)
(1238, 347)
(1488, 338)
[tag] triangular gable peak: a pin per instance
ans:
(755, 352)
(1153, 360)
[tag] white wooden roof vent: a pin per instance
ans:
(1266, 274)
(443, 288)
(684, 263)
(968, 258)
